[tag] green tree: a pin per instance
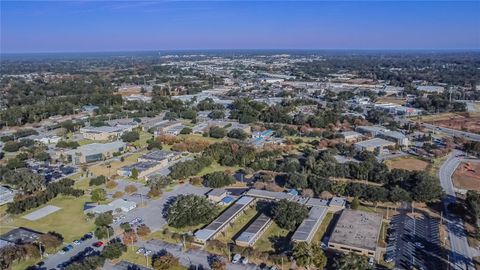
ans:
(130, 136)
(351, 261)
(190, 210)
(288, 215)
(306, 255)
(218, 179)
(217, 114)
(134, 173)
(186, 130)
(104, 219)
(165, 261)
(217, 132)
(24, 180)
(238, 134)
(103, 232)
(99, 195)
(355, 203)
(114, 250)
(97, 181)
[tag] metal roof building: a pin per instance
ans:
(253, 232)
(309, 226)
(225, 218)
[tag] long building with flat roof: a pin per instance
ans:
(95, 152)
(309, 226)
(356, 231)
(222, 221)
(253, 232)
(269, 195)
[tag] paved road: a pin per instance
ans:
(453, 132)
(460, 251)
(55, 259)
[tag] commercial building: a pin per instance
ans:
(356, 231)
(309, 226)
(382, 132)
(159, 156)
(121, 204)
(373, 145)
(253, 232)
(104, 133)
(143, 168)
(167, 127)
(217, 194)
(269, 195)
(224, 220)
(94, 152)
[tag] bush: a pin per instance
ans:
(186, 130)
(217, 132)
(117, 195)
(111, 184)
(238, 134)
(130, 136)
(130, 189)
(99, 194)
(218, 180)
(68, 144)
(97, 181)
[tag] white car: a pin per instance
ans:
(76, 242)
(236, 258)
(148, 252)
(140, 251)
(244, 260)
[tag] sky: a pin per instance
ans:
(95, 26)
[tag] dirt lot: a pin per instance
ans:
(467, 177)
(410, 164)
(464, 121)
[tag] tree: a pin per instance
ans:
(165, 261)
(186, 130)
(398, 194)
(355, 203)
(190, 210)
(134, 173)
(99, 195)
(427, 188)
(218, 179)
(218, 263)
(306, 255)
(130, 189)
(217, 132)
(217, 114)
(288, 215)
(103, 232)
(238, 134)
(97, 181)
(114, 250)
(143, 230)
(104, 219)
(129, 237)
(351, 261)
(130, 136)
(117, 194)
(111, 184)
(24, 180)
(50, 241)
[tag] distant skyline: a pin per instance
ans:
(96, 26)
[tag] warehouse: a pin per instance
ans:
(356, 231)
(253, 232)
(375, 144)
(94, 152)
(307, 229)
(222, 221)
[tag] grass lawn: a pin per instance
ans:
(239, 223)
(408, 163)
(215, 167)
(101, 169)
(131, 256)
(323, 228)
(200, 137)
(68, 221)
(85, 141)
(24, 264)
(266, 243)
(144, 137)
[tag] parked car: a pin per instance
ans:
(76, 242)
(98, 244)
(236, 258)
(244, 260)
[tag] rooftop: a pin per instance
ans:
(158, 155)
(20, 235)
(216, 192)
(357, 229)
(271, 195)
(375, 142)
(309, 226)
(95, 148)
(248, 235)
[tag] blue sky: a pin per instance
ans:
(74, 26)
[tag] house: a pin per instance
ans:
(216, 195)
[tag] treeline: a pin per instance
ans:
(63, 187)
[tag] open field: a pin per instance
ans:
(273, 236)
(467, 176)
(408, 163)
(68, 221)
(399, 101)
(462, 121)
(215, 167)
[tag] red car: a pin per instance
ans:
(98, 244)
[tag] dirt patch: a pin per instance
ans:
(464, 122)
(409, 164)
(467, 176)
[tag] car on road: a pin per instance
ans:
(236, 258)
(98, 244)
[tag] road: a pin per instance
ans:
(460, 256)
(55, 259)
(453, 132)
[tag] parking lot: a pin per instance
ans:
(413, 242)
(151, 214)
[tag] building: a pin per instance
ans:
(269, 195)
(167, 127)
(378, 131)
(159, 156)
(216, 195)
(253, 232)
(104, 133)
(6, 195)
(356, 231)
(309, 226)
(431, 89)
(20, 235)
(94, 152)
(221, 222)
(375, 144)
(337, 204)
(121, 204)
(351, 136)
(143, 168)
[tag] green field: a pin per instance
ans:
(227, 235)
(272, 235)
(323, 228)
(215, 167)
(68, 221)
